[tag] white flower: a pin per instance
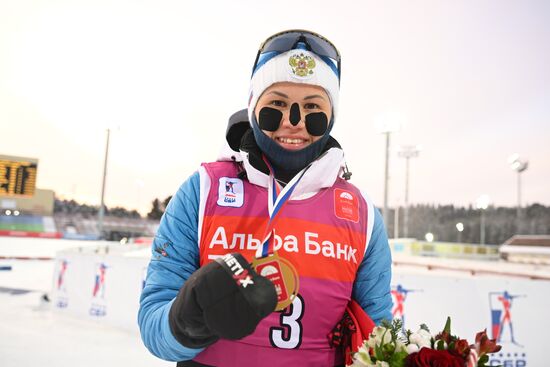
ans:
(358, 363)
(400, 346)
(411, 348)
(421, 338)
(382, 364)
(379, 336)
(424, 333)
(364, 349)
(362, 359)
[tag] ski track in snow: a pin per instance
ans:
(31, 334)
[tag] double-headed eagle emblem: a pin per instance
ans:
(302, 65)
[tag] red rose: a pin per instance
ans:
(427, 357)
(462, 348)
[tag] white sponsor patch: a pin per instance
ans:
(231, 192)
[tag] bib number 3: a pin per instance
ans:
(289, 334)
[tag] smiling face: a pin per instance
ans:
(293, 115)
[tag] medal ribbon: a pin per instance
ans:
(276, 198)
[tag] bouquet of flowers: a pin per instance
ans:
(389, 346)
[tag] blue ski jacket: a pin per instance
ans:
(175, 256)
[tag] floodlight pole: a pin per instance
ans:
(406, 224)
(102, 206)
(459, 229)
(518, 210)
(482, 234)
(386, 177)
(396, 222)
(387, 127)
(407, 152)
(482, 203)
(519, 165)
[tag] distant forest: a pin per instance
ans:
(500, 222)
(73, 207)
(441, 220)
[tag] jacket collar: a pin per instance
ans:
(322, 173)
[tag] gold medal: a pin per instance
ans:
(282, 274)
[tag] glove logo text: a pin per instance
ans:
(240, 274)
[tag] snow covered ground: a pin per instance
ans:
(32, 335)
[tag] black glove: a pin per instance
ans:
(224, 299)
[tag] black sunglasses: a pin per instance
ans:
(287, 40)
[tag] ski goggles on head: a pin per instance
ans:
(288, 40)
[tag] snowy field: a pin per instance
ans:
(33, 332)
(32, 335)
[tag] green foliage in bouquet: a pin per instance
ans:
(388, 346)
(393, 351)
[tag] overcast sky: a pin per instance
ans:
(469, 79)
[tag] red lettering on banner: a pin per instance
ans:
(31, 234)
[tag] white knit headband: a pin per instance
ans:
(295, 66)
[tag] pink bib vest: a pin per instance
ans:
(323, 236)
